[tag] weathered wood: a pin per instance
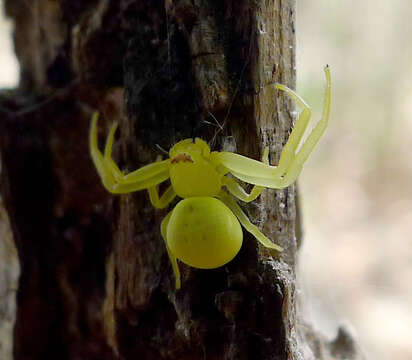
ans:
(96, 282)
(9, 272)
(216, 61)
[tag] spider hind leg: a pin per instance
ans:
(172, 258)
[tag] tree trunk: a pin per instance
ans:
(95, 281)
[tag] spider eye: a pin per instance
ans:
(181, 158)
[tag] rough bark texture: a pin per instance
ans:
(9, 272)
(95, 281)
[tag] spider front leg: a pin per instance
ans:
(166, 198)
(288, 151)
(294, 164)
(112, 177)
(237, 190)
(291, 162)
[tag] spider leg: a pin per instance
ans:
(244, 220)
(290, 163)
(173, 260)
(111, 176)
(295, 166)
(237, 190)
(97, 157)
(288, 152)
(242, 166)
(108, 152)
(166, 198)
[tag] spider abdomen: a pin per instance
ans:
(204, 233)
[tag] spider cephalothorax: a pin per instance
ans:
(203, 230)
(192, 171)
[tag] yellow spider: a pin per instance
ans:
(203, 229)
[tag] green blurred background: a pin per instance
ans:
(356, 261)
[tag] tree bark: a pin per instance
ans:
(95, 281)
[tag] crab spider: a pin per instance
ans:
(203, 230)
